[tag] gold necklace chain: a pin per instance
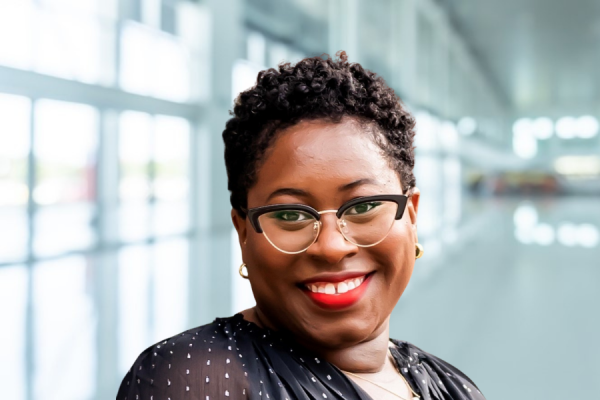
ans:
(416, 396)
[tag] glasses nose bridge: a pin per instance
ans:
(337, 225)
(327, 211)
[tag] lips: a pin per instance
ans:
(338, 291)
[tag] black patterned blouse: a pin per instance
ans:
(232, 358)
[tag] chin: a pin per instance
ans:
(340, 332)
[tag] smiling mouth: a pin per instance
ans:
(336, 287)
(337, 295)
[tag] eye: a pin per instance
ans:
(363, 208)
(292, 216)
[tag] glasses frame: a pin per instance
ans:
(254, 213)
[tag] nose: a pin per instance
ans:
(331, 246)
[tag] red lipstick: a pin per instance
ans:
(341, 300)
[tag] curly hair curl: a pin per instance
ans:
(314, 88)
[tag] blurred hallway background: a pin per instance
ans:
(114, 215)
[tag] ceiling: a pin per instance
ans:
(544, 55)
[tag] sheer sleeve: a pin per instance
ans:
(185, 366)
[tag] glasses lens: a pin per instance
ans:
(289, 230)
(368, 223)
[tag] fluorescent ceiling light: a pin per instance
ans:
(522, 126)
(587, 127)
(566, 128)
(524, 144)
(578, 165)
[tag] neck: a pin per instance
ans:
(368, 356)
(365, 357)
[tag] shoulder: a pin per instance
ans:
(185, 362)
(431, 374)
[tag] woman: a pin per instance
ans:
(319, 158)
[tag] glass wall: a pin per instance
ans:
(99, 102)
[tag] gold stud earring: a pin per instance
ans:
(419, 250)
(241, 268)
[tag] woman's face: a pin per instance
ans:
(323, 165)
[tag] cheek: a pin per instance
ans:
(261, 254)
(268, 267)
(397, 254)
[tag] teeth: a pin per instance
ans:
(330, 288)
(333, 288)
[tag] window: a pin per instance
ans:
(65, 150)
(14, 192)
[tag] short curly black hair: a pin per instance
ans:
(314, 88)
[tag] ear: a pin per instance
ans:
(413, 208)
(240, 226)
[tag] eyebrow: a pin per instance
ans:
(288, 191)
(356, 183)
(303, 193)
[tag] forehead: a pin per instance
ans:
(319, 156)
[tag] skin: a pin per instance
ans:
(318, 158)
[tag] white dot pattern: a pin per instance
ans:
(201, 363)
